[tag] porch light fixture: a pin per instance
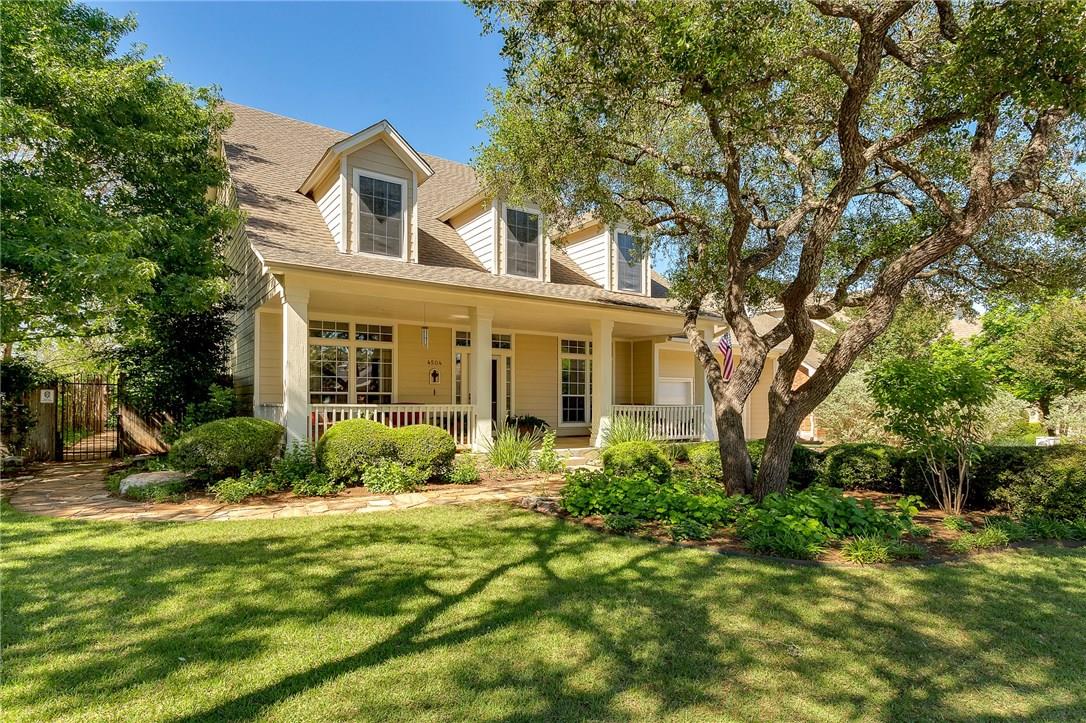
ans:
(425, 330)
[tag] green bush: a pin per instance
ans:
(511, 448)
(427, 448)
(352, 446)
(861, 465)
(957, 524)
(987, 538)
(621, 522)
(1015, 531)
(165, 492)
(867, 550)
(625, 429)
(247, 484)
(1055, 487)
(802, 472)
(297, 463)
(632, 458)
(547, 460)
(902, 550)
(227, 447)
(390, 477)
(679, 451)
(801, 523)
(315, 484)
(222, 403)
(464, 471)
(687, 529)
(593, 492)
(1049, 528)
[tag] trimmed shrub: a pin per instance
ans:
(227, 447)
(861, 465)
(464, 471)
(1054, 487)
(633, 458)
(389, 477)
(427, 448)
(352, 446)
(704, 460)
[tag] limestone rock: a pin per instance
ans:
(146, 479)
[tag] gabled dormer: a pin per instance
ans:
(366, 189)
(507, 239)
(611, 255)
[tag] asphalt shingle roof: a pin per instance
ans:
(269, 157)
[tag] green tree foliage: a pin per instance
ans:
(936, 404)
(1037, 352)
(106, 165)
(815, 155)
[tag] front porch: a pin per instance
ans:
(322, 356)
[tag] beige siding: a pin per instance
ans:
(588, 249)
(535, 370)
(250, 287)
(623, 384)
(676, 364)
(478, 233)
(759, 403)
(642, 387)
(413, 364)
(378, 157)
(270, 358)
(330, 203)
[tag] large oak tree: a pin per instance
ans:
(812, 156)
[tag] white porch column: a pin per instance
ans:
(482, 327)
(702, 395)
(296, 363)
(603, 374)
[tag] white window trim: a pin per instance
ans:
(504, 241)
(588, 380)
(612, 274)
(356, 206)
(352, 345)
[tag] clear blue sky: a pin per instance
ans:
(424, 66)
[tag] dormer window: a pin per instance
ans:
(381, 223)
(522, 247)
(629, 268)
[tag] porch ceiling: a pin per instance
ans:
(513, 314)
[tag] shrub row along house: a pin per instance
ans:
(375, 281)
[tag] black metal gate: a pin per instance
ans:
(87, 419)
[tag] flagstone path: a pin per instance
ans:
(77, 490)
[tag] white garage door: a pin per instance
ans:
(674, 391)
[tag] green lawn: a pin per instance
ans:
(490, 613)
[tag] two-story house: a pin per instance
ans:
(377, 281)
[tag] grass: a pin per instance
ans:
(492, 613)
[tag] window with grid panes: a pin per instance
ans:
(522, 243)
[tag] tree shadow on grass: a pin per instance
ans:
(536, 619)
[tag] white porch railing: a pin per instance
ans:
(271, 412)
(665, 421)
(456, 419)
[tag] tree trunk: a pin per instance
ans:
(780, 439)
(734, 458)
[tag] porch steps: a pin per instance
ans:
(575, 457)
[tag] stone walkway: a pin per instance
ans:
(77, 490)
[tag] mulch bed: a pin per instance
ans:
(727, 543)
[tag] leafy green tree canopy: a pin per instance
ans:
(105, 164)
(813, 156)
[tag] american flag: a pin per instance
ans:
(725, 346)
